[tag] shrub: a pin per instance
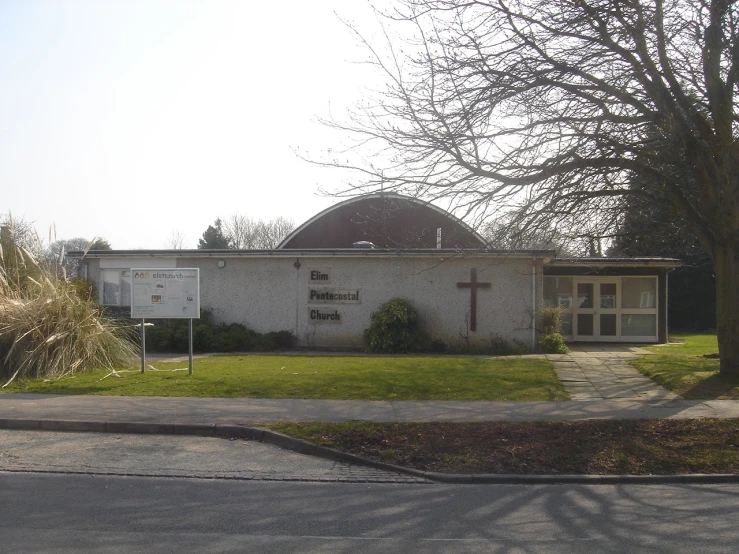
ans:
(159, 338)
(202, 338)
(394, 328)
(498, 346)
(551, 340)
(438, 345)
(553, 343)
(283, 340)
(235, 337)
(172, 336)
(551, 320)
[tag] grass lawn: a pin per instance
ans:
(324, 377)
(681, 368)
(598, 447)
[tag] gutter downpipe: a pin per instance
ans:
(533, 303)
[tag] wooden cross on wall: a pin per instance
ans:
(473, 285)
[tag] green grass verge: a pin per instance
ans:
(324, 377)
(683, 369)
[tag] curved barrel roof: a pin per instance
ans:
(387, 220)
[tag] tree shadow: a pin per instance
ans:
(715, 387)
(131, 514)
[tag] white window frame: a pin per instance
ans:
(619, 311)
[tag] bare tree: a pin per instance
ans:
(23, 233)
(244, 232)
(271, 233)
(176, 240)
(550, 108)
(507, 234)
(241, 231)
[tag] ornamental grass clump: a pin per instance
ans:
(49, 329)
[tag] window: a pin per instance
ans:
(647, 300)
(638, 325)
(558, 292)
(639, 302)
(116, 287)
(638, 292)
(608, 295)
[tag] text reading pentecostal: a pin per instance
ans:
(333, 296)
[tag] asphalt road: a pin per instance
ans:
(102, 514)
(107, 493)
(173, 456)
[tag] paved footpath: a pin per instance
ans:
(594, 372)
(44, 410)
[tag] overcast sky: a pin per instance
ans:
(131, 119)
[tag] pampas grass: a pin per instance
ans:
(48, 329)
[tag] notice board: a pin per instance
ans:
(165, 293)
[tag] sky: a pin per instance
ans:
(132, 120)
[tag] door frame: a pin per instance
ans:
(597, 310)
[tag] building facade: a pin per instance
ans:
(324, 292)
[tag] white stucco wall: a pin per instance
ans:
(271, 294)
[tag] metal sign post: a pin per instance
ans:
(143, 346)
(190, 364)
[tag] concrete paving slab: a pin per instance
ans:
(36, 408)
(606, 368)
(191, 410)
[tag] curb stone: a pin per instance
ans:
(304, 447)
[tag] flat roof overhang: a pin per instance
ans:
(615, 262)
(546, 255)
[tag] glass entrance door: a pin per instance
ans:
(596, 310)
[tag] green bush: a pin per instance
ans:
(498, 346)
(553, 343)
(394, 328)
(159, 338)
(551, 340)
(438, 345)
(551, 320)
(172, 336)
(282, 340)
(202, 339)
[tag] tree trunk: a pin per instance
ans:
(726, 264)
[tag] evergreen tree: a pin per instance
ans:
(214, 238)
(653, 229)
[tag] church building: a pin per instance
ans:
(326, 278)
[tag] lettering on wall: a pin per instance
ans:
(319, 276)
(324, 315)
(323, 295)
(333, 296)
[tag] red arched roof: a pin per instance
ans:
(388, 221)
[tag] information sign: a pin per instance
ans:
(165, 293)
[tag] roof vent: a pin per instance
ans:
(363, 244)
